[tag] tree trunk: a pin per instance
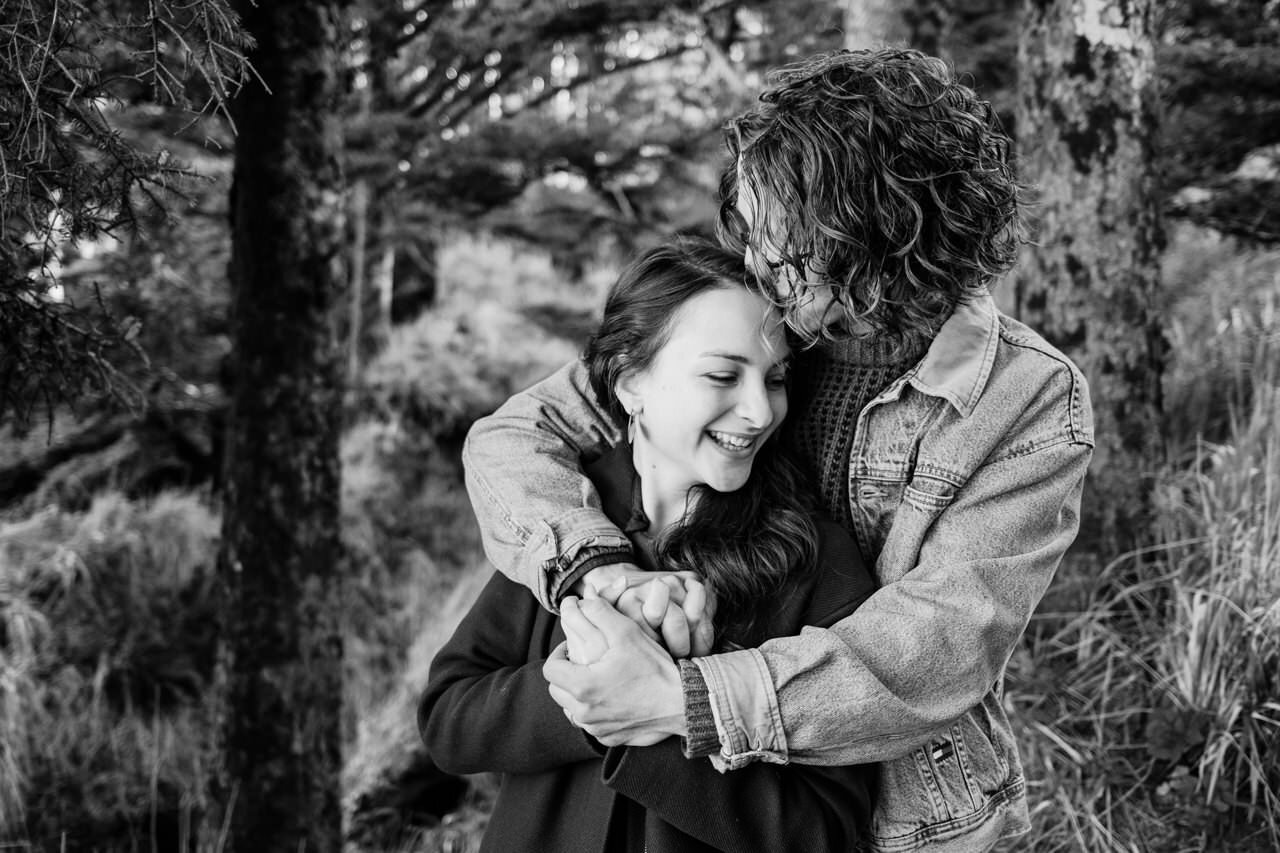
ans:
(359, 254)
(1087, 117)
(280, 660)
(383, 279)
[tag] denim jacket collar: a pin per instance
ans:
(958, 363)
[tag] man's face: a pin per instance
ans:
(805, 300)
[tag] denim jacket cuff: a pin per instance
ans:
(745, 706)
(562, 542)
(587, 558)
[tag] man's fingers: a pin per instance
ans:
(631, 606)
(675, 632)
(674, 581)
(616, 627)
(695, 601)
(657, 596)
(697, 611)
(702, 639)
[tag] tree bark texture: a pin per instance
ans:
(1087, 118)
(280, 663)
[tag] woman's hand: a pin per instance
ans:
(584, 642)
(674, 608)
(629, 695)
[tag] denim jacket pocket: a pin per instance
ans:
(897, 522)
(953, 783)
(930, 493)
(874, 504)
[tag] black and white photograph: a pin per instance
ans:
(621, 426)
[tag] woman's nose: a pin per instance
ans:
(754, 406)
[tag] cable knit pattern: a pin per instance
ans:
(834, 382)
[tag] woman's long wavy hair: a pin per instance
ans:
(750, 545)
(882, 175)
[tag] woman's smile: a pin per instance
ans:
(733, 443)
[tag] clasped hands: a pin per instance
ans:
(610, 676)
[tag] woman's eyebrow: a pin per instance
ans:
(784, 362)
(730, 356)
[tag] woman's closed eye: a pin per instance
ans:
(722, 378)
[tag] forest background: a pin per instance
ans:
(262, 271)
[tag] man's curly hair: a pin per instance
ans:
(881, 174)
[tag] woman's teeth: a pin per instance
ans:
(729, 441)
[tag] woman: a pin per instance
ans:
(697, 361)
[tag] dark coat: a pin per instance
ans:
(486, 708)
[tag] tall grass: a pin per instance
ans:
(105, 651)
(1149, 689)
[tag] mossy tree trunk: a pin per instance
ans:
(280, 662)
(1087, 118)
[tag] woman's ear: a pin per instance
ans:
(627, 389)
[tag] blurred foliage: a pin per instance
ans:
(478, 345)
(1219, 63)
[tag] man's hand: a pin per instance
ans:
(675, 608)
(630, 695)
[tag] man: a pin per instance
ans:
(876, 193)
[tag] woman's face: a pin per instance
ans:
(712, 395)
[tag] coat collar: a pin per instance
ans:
(958, 363)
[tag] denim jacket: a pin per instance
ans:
(964, 483)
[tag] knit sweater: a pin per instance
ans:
(486, 708)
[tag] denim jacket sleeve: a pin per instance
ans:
(922, 649)
(538, 513)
